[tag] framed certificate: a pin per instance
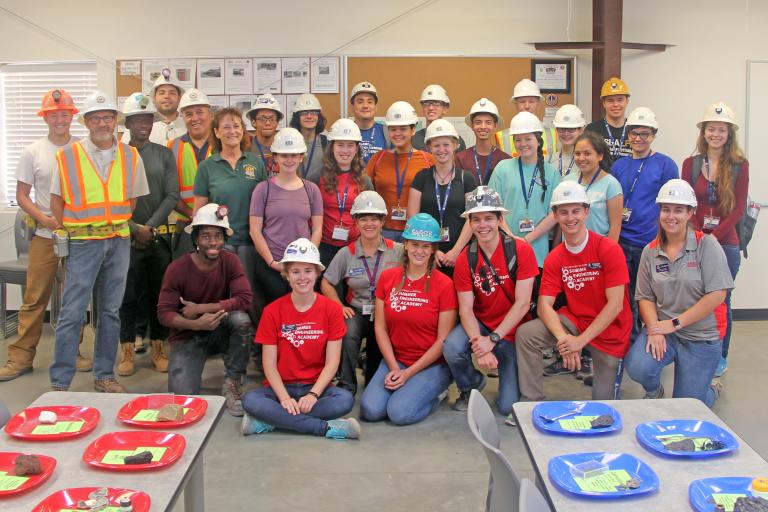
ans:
(552, 75)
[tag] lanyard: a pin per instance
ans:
(527, 196)
(567, 171)
(342, 202)
(487, 172)
(634, 182)
(372, 276)
(306, 168)
(441, 206)
(401, 179)
(263, 158)
(592, 181)
(610, 133)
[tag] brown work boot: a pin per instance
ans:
(108, 386)
(158, 355)
(83, 364)
(11, 370)
(125, 367)
(233, 392)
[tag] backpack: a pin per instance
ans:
(510, 255)
(745, 228)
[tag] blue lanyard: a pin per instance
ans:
(263, 158)
(401, 179)
(527, 196)
(487, 172)
(634, 182)
(442, 203)
(372, 276)
(610, 133)
(304, 168)
(568, 171)
(342, 202)
(594, 178)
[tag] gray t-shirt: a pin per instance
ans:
(312, 165)
(675, 286)
(350, 267)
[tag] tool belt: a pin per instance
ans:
(95, 230)
(165, 229)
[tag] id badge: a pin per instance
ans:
(368, 310)
(340, 233)
(398, 213)
(445, 235)
(525, 225)
(626, 213)
(711, 222)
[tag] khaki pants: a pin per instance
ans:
(532, 338)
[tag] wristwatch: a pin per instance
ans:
(494, 337)
(676, 323)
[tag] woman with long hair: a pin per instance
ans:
(569, 123)
(308, 118)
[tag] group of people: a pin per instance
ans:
(299, 247)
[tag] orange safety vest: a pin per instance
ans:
(186, 165)
(91, 201)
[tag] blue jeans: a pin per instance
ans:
(695, 365)
(632, 255)
(263, 405)
(409, 404)
(733, 256)
(92, 265)
(458, 353)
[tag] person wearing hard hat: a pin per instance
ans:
(364, 101)
(93, 195)
(300, 334)
(569, 122)
(415, 310)
(494, 292)
(681, 287)
(525, 184)
(35, 170)
(614, 96)
(482, 158)
(265, 116)
(439, 191)
(343, 178)
(360, 265)
(641, 176)
(393, 170)
(590, 270)
(150, 251)
(166, 93)
(205, 299)
(719, 174)
(434, 105)
(308, 118)
(527, 98)
(190, 150)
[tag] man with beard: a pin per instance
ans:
(166, 93)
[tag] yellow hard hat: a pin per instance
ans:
(614, 86)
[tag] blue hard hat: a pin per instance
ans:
(422, 227)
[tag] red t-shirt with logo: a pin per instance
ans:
(492, 306)
(331, 203)
(412, 314)
(300, 337)
(584, 277)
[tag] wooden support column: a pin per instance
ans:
(606, 60)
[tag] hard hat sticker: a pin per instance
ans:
(719, 110)
(482, 102)
(56, 95)
(166, 73)
(193, 95)
(100, 99)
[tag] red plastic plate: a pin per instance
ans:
(8, 463)
(66, 499)
(129, 441)
(23, 424)
(196, 406)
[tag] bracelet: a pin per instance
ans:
(317, 397)
(270, 263)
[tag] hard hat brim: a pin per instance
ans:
(290, 259)
(123, 116)
(250, 114)
(569, 201)
(431, 239)
(700, 124)
(81, 117)
(499, 119)
(70, 108)
(402, 123)
(683, 202)
(189, 227)
(368, 211)
(481, 209)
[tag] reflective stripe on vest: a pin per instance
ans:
(506, 142)
(186, 164)
(88, 199)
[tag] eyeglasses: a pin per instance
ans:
(640, 135)
(309, 113)
(432, 103)
(109, 118)
(266, 119)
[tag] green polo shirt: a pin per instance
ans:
(222, 184)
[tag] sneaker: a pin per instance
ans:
(658, 394)
(347, 428)
(139, 346)
(492, 374)
(462, 403)
(510, 420)
(12, 371)
(108, 386)
(159, 358)
(722, 367)
(717, 387)
(251, 425)
(556, 368)
(588, 379)
(232, 391)
(126, 365)
(442, 396)
(59, 388)
(586, 368)
(83, 364)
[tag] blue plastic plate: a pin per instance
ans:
(560, 473)
(555, 409)
(647, 435)
(700, 491)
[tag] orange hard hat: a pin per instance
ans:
(57, 99)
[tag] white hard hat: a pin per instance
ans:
(289, 141)
(483, 199)
(642, 116)
(677, 191)
(363, 87)
(345, 129)
(166, 78)
(434, 92)
(440, 128)
(96, 101)
(368, 202)
(138, 103)
(193, 97)
(306, 102)
(211, 214)
(484, 106)
(302, 251)
(265, 102)
(719, 112)
(401, 113)
(526, 87)
(525, 122)
(569, 116)
(569, 192)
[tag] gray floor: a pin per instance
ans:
(433, 466)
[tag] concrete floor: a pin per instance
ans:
(432, 466)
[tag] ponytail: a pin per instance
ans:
(540, 164)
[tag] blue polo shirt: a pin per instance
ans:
(374, 140)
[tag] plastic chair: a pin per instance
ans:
(531, 499)
(14, 272)
(503, 483)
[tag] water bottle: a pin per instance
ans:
(60, 243)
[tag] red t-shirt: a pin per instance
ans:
(491, 307)
(584, 277)
(331, 217)
(412, 314)
(300, 337)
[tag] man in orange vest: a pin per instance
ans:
(93, 195)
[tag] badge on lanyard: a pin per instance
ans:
(445, 235)
(525, 225)
(710, 222)
(398, 213)
(368, 309)
(626, 213)
(340, 233)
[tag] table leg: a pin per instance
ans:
(194, 492)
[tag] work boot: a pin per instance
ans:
(233, 392)
(139, 346)
(462, 402)
(108, 386)
(12, 370)
(83, 364)
(159, 358)
(126, 366)
(343, 429)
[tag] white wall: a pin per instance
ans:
(712, 42)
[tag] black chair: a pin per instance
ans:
(14, 272)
